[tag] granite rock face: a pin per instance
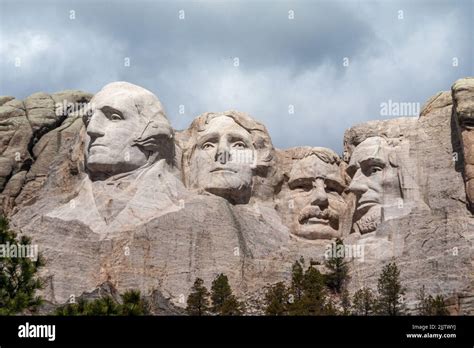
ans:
(463, 110)
(112, 194)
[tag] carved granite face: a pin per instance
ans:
(463, 93)
(375, 182)
(222, 160)
(315, 193)
(117, 118)
(311, 202)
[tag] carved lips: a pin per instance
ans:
(312, 215)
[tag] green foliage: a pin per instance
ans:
(345, 302)
(297, 276)
(390, 291)
(102, 306)
(132, 305)
(314, 295)
(18, 275)
(338, 268)
(363, 302)
(232, 306)
(276, 299)
(429, 305)
(223, 301)
(72, 309)
(307, 293)
(198, 299)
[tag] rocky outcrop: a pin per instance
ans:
(33, 133)
(111, 193)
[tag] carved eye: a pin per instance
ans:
(374, 169)
(239, 145)
(115, 117)
(207, 146)
(302, 188)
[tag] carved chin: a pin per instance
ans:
(225, 183)
(235, 195)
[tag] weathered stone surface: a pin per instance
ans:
(33, 147)
(4, 99)
(463, 96)
(434, 238)
(15, 135)
(160, 218)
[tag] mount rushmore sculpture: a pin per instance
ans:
(111, 192)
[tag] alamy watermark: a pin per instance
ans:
(66, 108)
(8, 250)
(393, 108)
(348, 251)
(241, 156)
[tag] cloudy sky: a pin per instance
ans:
(307, 69)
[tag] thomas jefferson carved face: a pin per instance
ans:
(375, 181)
(313, 202)
(222, 160)
(119, 116)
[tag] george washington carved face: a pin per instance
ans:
(121, 115)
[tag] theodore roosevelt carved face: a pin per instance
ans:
(313, 200)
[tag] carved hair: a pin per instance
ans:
(324, 154)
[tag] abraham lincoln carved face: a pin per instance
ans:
(375, 181)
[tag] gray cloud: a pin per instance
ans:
(283, 62)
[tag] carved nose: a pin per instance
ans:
(94, 128)
(223, 154)
(319, 196)
(358, 184)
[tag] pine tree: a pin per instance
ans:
(72, 309)
(297, 277)
(276, 299)
(429, 305)
(223, 301)
(105, 306)
(439, 306)
(338, 267)
(363, 302)
(345, 302)
(314, 296)
(18, 275)
(133, 304)
(198, 299)
(232, 306)
(390, 291)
